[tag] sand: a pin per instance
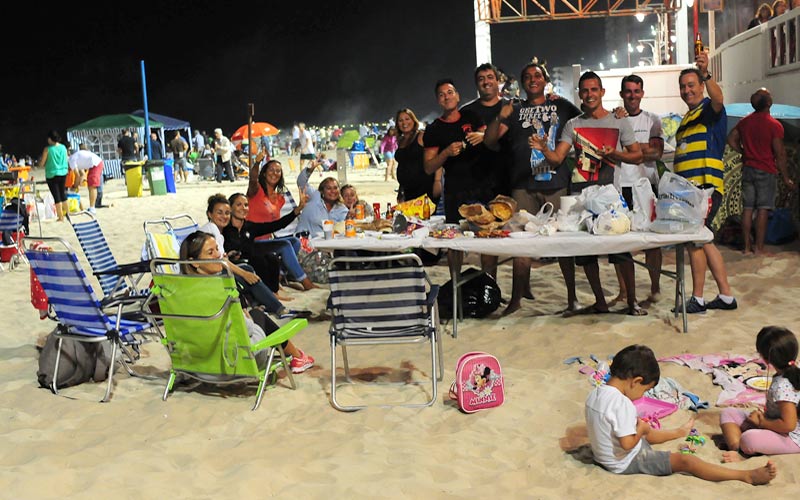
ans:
(201, 445)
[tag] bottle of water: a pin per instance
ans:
(539, 165)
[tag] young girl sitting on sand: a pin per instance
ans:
(775, 431)
(201, 246)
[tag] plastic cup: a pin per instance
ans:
(327, 229)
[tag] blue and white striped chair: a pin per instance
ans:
(79, 313)
(11, 223)
(382, 300)
(95, 247)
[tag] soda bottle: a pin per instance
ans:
(698, 44)
(388, 210)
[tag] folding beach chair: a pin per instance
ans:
(79, 313)
(205, 331)
(13, 233)
(181, 231)
(161, 244)
(114, 279)
(381, 301)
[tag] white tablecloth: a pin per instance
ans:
(557, 245)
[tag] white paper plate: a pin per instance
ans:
(759, 383)
(522, 235)
(393, 236)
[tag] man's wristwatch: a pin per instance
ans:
(707, 77)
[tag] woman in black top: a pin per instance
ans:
(240, 235)
(414, 182)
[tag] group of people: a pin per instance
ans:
(621, 441)
(492, 146)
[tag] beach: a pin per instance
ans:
(201, 444)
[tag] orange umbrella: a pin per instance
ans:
(259, 129)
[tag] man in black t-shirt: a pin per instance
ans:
(452, 141)
(126, 147)
(533, 181)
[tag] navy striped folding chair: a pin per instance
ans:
(95, 247)
(382, 300)
(184, 229)
(11, 227)
(79, 313)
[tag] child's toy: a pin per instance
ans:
(693, 440)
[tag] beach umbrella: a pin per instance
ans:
(259, 129)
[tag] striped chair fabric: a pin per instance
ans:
(10, 220)
(72, 297)
(98, 254)
(379, 302)
(182, 232)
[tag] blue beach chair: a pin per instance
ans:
(79, 313)
(114, 279)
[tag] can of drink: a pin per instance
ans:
(376, 207)
(359, 211)
(350, 228)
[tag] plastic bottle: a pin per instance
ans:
(539, 166)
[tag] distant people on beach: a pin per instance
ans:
(156, 148)
(307, 150)
(759, 138)
(180, 149)
(127, 147)
(90, 168)
(387, 148)
(223, 150)
(763, 14)
(56, 166)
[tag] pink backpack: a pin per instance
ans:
(479, 382)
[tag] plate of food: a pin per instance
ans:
(760, 383)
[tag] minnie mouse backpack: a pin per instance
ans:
(479, 382)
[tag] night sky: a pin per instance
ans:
(321, 62)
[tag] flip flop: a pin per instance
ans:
(635, 311)
(592, 309)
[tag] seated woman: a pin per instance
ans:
(269, 201)
(324, 203)
(350, 198)
(200, 246)
(240, 235)
(219, 215)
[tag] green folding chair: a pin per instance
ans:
(205, 333)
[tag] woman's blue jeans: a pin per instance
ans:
(287, 247)
(260, 292)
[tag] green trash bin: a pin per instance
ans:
(133, 178)
(155, 177)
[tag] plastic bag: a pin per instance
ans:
(573, 221)
(681, 207)
(543, 222)
(611, 222)
(644, 205)
(480, 295)
(599, 199)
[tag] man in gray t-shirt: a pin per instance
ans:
(601, 142)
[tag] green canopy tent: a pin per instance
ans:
(101, 135)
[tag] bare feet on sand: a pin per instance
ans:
(762, 475)
(283, 298)
(732, 456)
(650, 300)
(635, 310)
(687, 427)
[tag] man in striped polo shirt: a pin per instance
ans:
(701, 140)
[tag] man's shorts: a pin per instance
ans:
(95, 176)
(532, 201)
(309, 156)
(716, 201)
(758, 188)
(180, 164)
(649, 461)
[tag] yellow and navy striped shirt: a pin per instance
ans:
(700, 143)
